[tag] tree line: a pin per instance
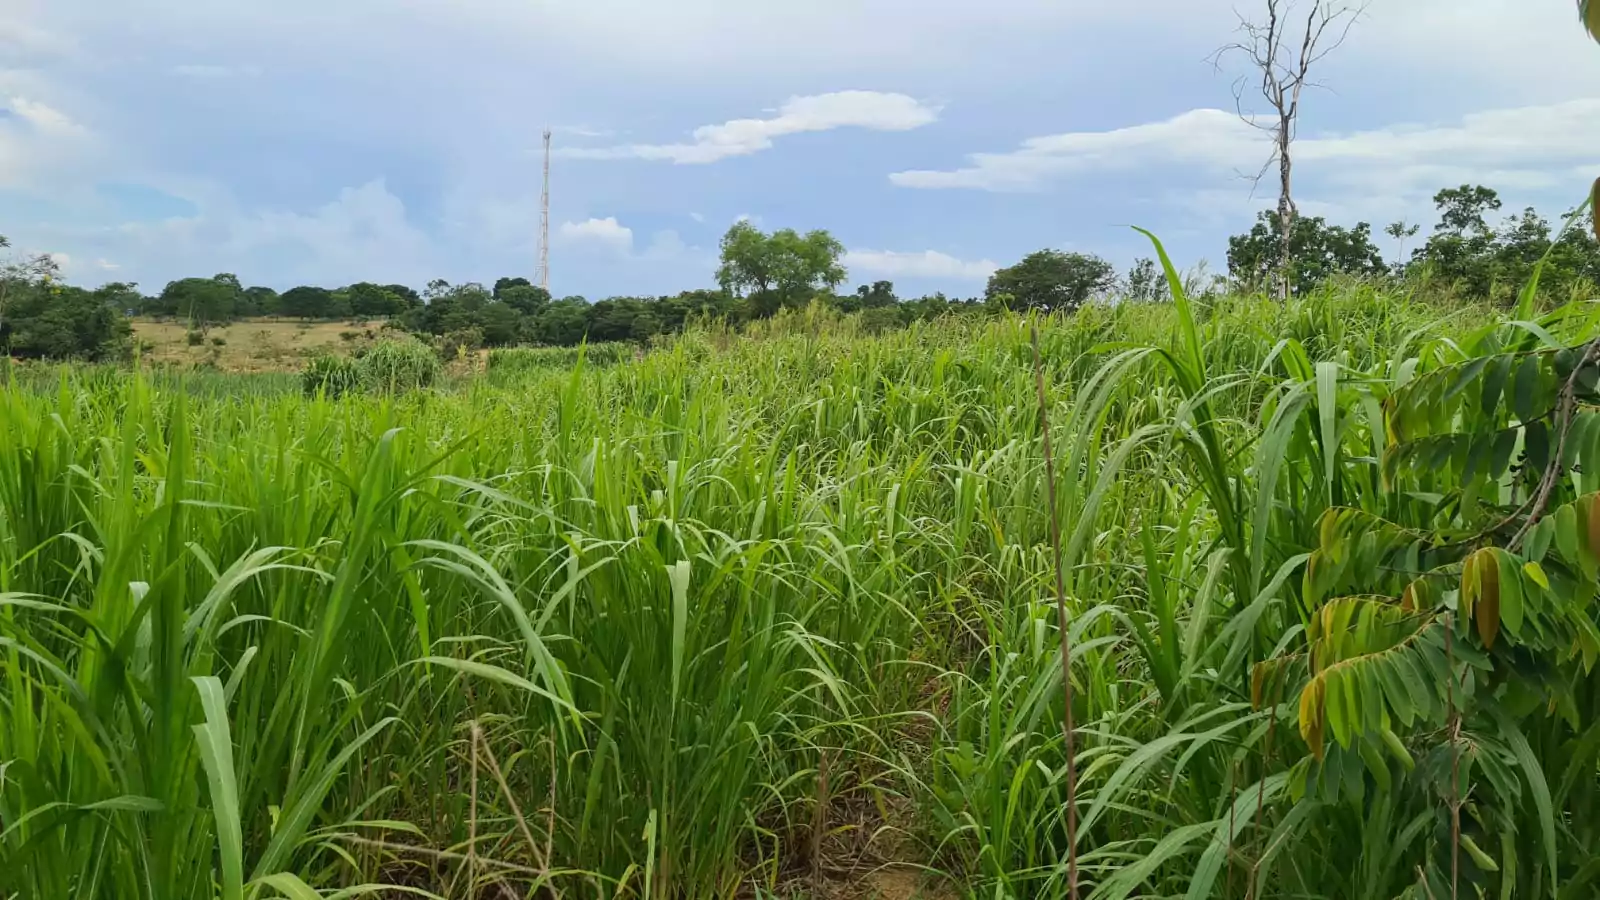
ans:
(762, 273)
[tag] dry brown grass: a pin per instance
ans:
(252, 345)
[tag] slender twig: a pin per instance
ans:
(511, 799)
(441, 855)
(1455, 756)
(1552, 471)
(1061, 620)
(1261, 795)
(472, 820)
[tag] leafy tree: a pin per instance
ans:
(202, 301)
(1466, 254)
(307, 302)
(258, 301)
(409, 298)
(1050, 281)
(500, 323)
(646, 324)
(783, 269)
(927, 308)
(524, 298)
(501, 285)
(1319, 251)
(1464, 210)
(676, 311)
(878, 295)
(371, 300)
(1145, 282)
(121, 296)
(563, 323)
(613, 319)
(44, 319)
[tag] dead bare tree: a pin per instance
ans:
(1284, 74)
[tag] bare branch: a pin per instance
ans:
(1282, 82)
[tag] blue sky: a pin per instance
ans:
(309, 141)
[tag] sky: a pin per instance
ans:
(315, 142)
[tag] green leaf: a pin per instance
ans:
(216, 757)
(1534, 775)
(1494, 382)
(289, 885)
(1526, 397)
(1511, 600)
(678, 577)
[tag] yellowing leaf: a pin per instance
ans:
(1535, 573)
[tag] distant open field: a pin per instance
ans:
(252, 345)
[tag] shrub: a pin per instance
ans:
(195, 337)
(398, 365)
(333, 376)
(219, 342)
(457, 343)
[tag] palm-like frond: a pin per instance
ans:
(1589, 12)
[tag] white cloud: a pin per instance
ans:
(40, 146)
(872, 110)
(607, 232)
(698, 217)
(106, 265)
(1524, 147)
(44, 119)
(363, 234)
(927, 264)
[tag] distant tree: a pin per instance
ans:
(612, 319)
(501, 285)
(1050, 281)
(40, 317)
(926, 308)
(259, 301)
(782, 269)
(1463, 211)
(676, 311)
(878, 319)
(524, 298)
(1461, 251)
(453, 307)
(1401, 231)
(878, 295)
(563, 323)
(306, 302)
(1318, 251)
(646, 324)
(122, 296)
(408, 297)
(1146, 283)
(371, 300)
(202, 301)
(501, 324)
(1466, 254)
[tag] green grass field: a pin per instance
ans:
(775, 615)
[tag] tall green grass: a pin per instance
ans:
(738, 617)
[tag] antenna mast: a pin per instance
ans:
(542, 273)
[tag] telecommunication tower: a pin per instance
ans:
(542, 273)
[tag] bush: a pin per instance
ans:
(333, 376)
(195, 338)
(219, 342)
(398, 365)
(458, 343)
